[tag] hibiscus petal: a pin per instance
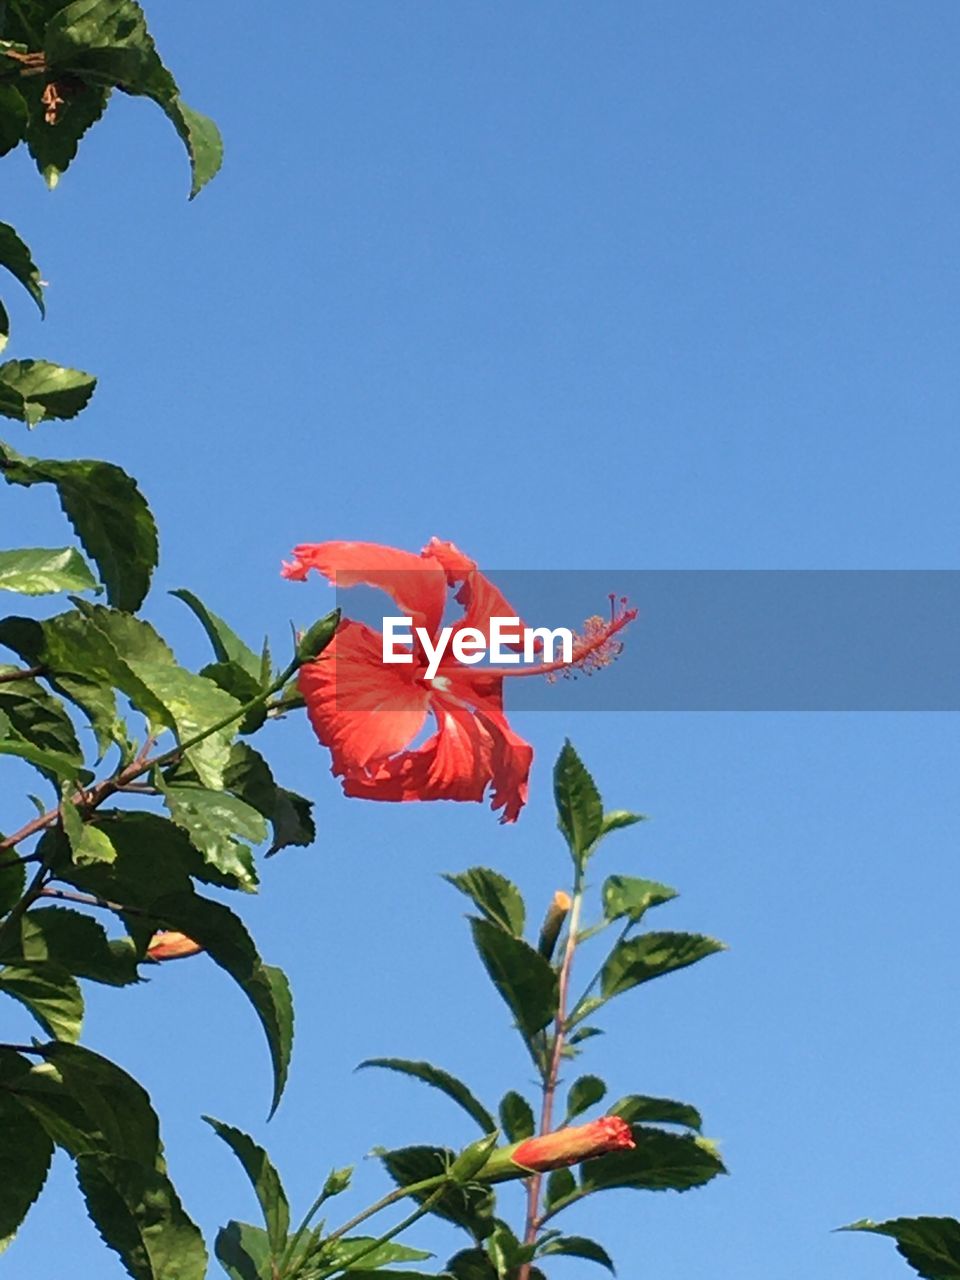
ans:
(511, 756)
(417, 584)
(363, 710)
(481, 600)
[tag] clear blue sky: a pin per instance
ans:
(643, 285)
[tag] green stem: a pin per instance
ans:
(438, 1181)
(418, 1213)
(596, 977)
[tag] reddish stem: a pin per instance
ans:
(535, 1184)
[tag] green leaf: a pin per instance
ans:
(584, 1033)
(619, 818)
(250, 779)
(584, 1094)
(637, 1108)
(224, 937)
(527, 982)
(470, 1207)
(244, 1252)
(13, 881)
(194, 706)
(49, 762)
(49, 993)
(107, 42)
(54, 146)
(441, 1080)
(15, 256)
(650, 956)
(25, 1155)
(516, 1117)
(578, 1247)
(33, 391)
(292, 822)
(41, 572)
(76, 943)
(203, 142)
(154, 859)
(108, 513)
(77, 662)
(579, 808)
(370, 1255)
(139, 1216)
(263, 1178)
(232, 679)
(32, 713)
(660, 1162)
(118, 1119)
(630, 896)
(87, 843)
(930, 1245)
(474, 1264)
(13, 118)
(561, 1185)
(227, 645)
(496, 897)
(214, 820)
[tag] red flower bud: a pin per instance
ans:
(571, 1145)
(168, 944)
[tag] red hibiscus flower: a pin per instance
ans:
(368, 712)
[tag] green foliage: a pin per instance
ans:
(637, 1108)
(627, 896)
(516, 1117)
(15, 257)
(108, 513)
(470, 1206)
(577, 1247)
(583, 1094)
(579, 808)
(650, 956)
(48, 992)
(77, 943)
(660, 1162)
(33, 391)
(25, 1155)
(930, 1245)
(496, 897)
(525, 980)
(223, 936)
(84, 50)
(140, 1217)
(441, 1080)
(263, 1178)
(40, 572)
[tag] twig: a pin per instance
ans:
(22, 673)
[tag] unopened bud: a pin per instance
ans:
(316, 638)
(168, 944)
(557, 912)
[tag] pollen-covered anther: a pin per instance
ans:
(596, 647)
